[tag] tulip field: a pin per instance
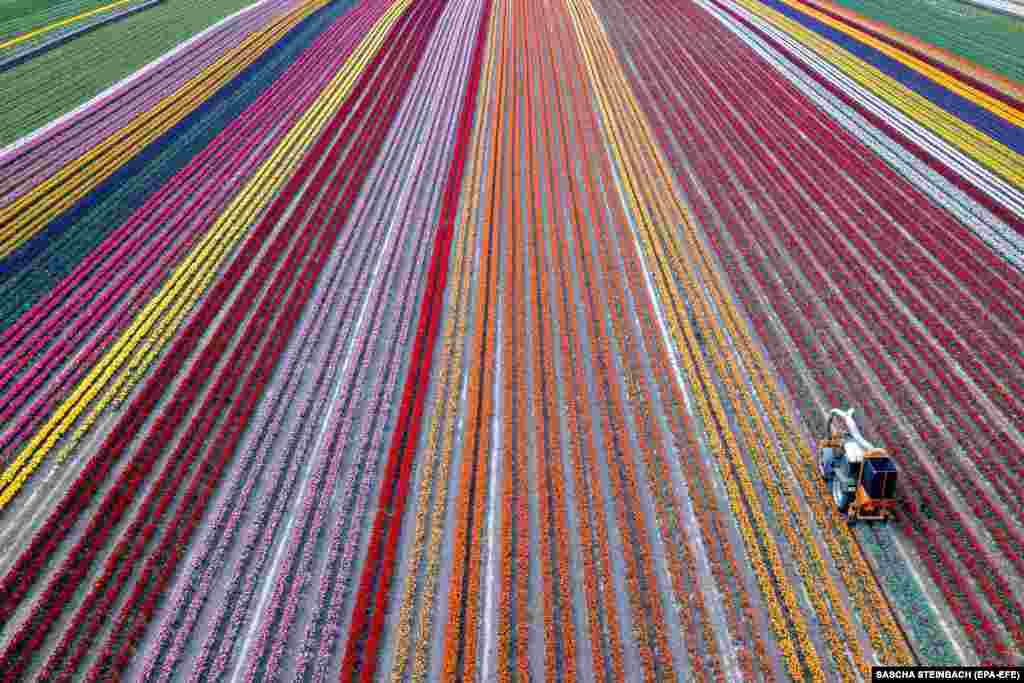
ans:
(416, 340)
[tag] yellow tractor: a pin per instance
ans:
(862, 476)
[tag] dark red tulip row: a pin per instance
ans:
(406, 435)
(19, 580)
(739, 73)
(100, 297)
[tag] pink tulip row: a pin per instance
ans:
(124, 272)
(33, 163)
(317, 501)
(189, 597)
(337, 579)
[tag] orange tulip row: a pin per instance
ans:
(632, 147)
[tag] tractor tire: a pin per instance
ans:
(841, 496)
(825, 464)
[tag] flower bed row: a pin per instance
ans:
(28, 567)
(31, 212)
(515, 617)
(794, 335)
(15, 21)
(726, 450)
(699, 639)
(265, 658)
(130, 264)
(464, 591)
(414, 206)
(593, 536)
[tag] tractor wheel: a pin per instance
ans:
(825, 463)
(842, 497)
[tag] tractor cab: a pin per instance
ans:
(862, 477)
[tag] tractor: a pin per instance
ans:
(862, 476)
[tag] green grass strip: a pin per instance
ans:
(15, 20)
(991, 39)
(919, 617)
(57, 81)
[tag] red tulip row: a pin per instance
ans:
(796, 106)
(118, 277)
(351, 176)
(382, 550)
(115, 504)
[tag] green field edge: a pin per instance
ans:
(56, 82)
(991, 39)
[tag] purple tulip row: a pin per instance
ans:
(118, 277)
(293, 580)
(29, 164)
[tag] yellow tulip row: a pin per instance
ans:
(953, 84)
(28, 214)
(771, 471)
(817, 563)
(861, 586)
(962, 135)
(162, 315)
(625, 152)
